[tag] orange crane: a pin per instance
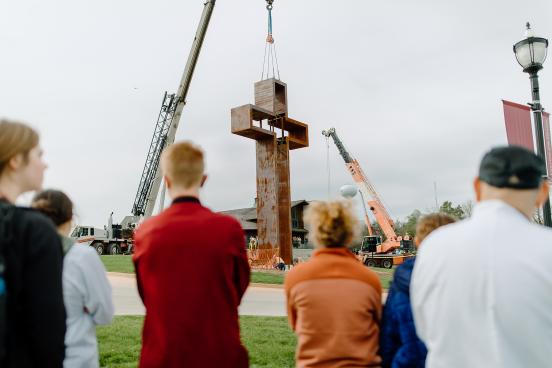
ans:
(395, 249)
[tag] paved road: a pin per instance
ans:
(258, 301)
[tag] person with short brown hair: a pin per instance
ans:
(333, 300)
(428, 223)
(192, 271)
(399, 344)
(32, 314)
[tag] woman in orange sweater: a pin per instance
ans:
(333, 300)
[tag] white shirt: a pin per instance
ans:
(481, 291)
(85, 285)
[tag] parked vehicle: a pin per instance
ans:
(112, 239)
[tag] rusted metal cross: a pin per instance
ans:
(274, 141)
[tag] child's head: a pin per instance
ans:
(429, 223)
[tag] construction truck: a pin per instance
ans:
(373, 251)
(112, 239)
(117, 238)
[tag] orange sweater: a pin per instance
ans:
(334, 307)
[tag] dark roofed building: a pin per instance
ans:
(248, 220)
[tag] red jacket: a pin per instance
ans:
(192, 271)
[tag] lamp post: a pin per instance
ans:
(531, 54)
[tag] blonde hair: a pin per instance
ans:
(15, 138)
(332, 224)
(182, 162)
(430, 222)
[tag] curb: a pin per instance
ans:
(122, 274)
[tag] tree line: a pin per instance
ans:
(407, 226)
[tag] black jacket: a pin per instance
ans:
(35, 310)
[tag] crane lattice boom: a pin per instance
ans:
(167, 124)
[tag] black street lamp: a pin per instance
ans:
(531, 54)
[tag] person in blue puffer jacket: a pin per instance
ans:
(400, 347)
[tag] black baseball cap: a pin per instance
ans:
(512, 167)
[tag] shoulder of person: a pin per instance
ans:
(445, 233)
(82, 251)
(295, 274)
(34, 223)
(28, 216)
(226, 220)
(540, 234)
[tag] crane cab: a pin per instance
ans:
(370, 243)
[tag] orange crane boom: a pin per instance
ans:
(369, 196)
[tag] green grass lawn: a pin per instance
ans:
(268, 277)
(119, 263)
(123, 263)
(385, 275)
(269, 340)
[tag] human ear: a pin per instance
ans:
(203, 180)
(168, 183)
(477, 189)
(15, 162)
(543, 193)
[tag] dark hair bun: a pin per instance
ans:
(54, 204)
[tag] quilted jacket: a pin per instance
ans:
(399, 345)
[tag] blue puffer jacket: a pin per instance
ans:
(399, 345)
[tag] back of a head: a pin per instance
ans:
(512, 174)
(54, 204)
(332, 224)
(183, 164)
(15, 139)
(429, 223)
(512, 167)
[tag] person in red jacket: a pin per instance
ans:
(192, 271)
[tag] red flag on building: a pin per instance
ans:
(547, 141)
(518, 125)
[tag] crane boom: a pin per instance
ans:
(167, 123)
(366, 189)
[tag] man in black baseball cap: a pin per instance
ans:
(481, 288)
(514, 175)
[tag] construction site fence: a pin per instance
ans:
(265, 259)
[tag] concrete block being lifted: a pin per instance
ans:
(271, 95)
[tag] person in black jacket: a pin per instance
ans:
(34, 318)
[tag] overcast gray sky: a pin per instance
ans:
(412, 87)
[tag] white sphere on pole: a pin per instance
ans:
(348, 191)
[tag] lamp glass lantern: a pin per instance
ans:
(531, 52)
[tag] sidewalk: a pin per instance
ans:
(259, 299)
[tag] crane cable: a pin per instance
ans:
(270, 60)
